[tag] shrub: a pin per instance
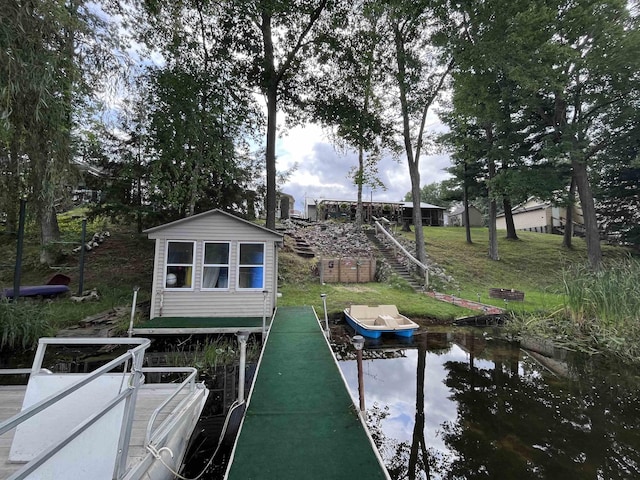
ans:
(23, 323)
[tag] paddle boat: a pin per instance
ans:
(113, 423)
(373, 321)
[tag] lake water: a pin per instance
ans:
(459, 404)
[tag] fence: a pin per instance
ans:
(347, 270)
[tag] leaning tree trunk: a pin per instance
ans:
(592, 235)
(508, 217)
(414, 173)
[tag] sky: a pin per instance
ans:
(323, 170)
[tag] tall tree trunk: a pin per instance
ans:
(43, 194)
(271, 84)
(359, 180)
(465, 204)
(493, 208)
(493, 234)
(414, 171)
(508, 218)
(592, 235)
(195, 181)
(567, 238)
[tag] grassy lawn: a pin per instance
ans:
(340, 296)
(533, 264)
(123, 261)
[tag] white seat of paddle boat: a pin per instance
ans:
(386, 320)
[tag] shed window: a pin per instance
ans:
(179, 271)
(216, 266)
(251, 266)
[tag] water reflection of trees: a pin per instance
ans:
(518, 423)
(514, 420)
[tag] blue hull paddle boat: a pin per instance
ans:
(373, 321)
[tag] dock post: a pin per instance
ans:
(358, 344)
(326, 318)
(133, 310)
(242, 340)
(264, 314)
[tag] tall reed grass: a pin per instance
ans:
(610, 297)
(600, 315)
(605, 306)
(22, 324)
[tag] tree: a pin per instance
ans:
(120, 154)
(467, 169)
(201, 115)
(435, 193)
(348, 96)
(52, 53)
(570, 66)
(273, 43)
(618, 203)
(37, 76)
(420, 71)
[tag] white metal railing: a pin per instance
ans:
(150, 436)
(134, 379)
(405, 252)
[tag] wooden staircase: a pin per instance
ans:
(392, 259)
(302, 247)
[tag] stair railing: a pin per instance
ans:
(405, 252)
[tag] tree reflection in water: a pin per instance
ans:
(510, 416)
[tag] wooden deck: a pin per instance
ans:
(200, 325)
(149, 398)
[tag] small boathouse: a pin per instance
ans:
(213, 273)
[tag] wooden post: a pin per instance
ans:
(19, 247)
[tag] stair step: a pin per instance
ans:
(391, 258)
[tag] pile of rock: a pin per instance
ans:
(333, 238)
(95, 241)
(337, 239)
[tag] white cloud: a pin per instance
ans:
(323, 170)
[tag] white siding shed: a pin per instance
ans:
(214, 265)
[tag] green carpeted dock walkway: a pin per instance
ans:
(301, 422)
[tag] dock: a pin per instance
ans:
(301, 421)
(198, 325)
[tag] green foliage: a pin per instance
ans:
(618, 200)
(600, 313)
(207, 356)
(543, 86)
(23, 323)
(609, 297)
(437, 193)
